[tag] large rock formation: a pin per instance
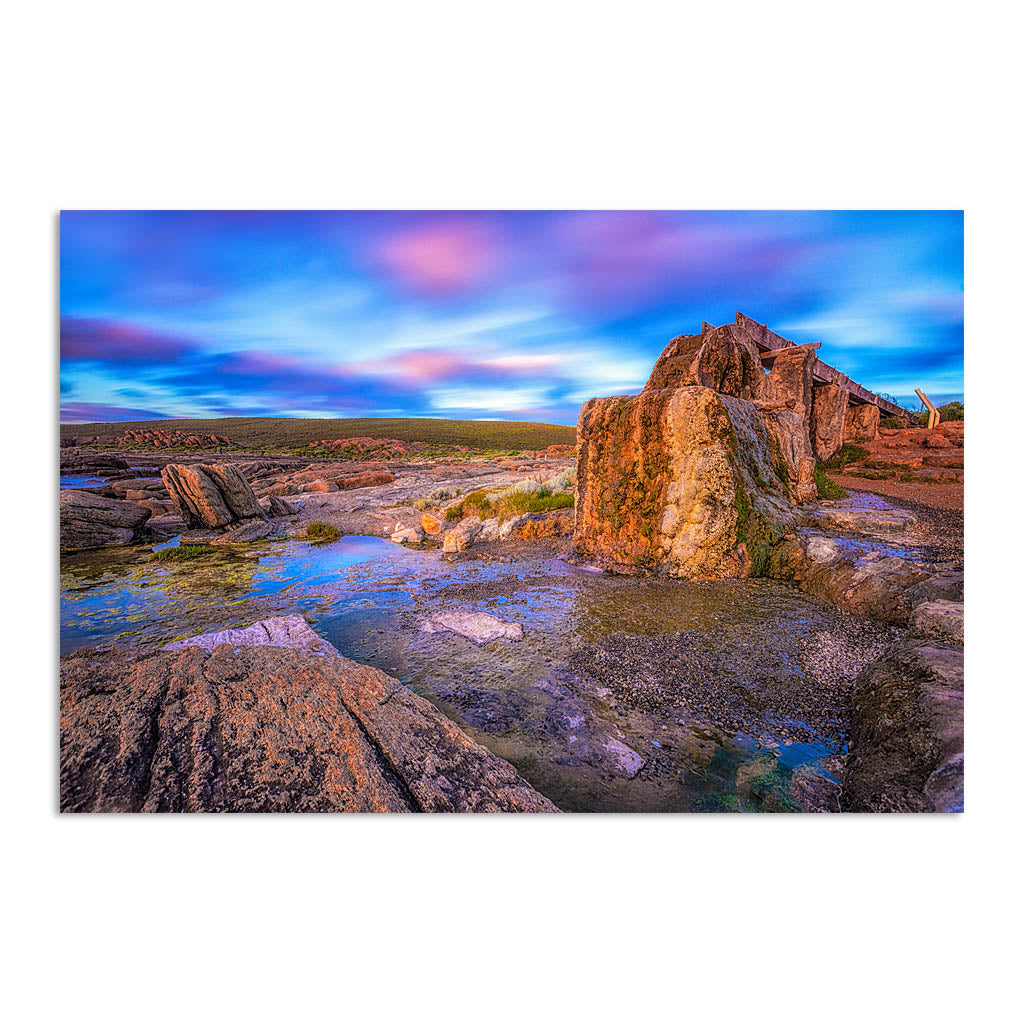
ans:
(861, 423)
(211, 496)
(828, 414)
(907, 734)
(724, 359)
(292, 726)
(680, 480)
(91, 521)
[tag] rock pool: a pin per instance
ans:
(623, 695)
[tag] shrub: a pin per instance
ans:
(565, 481)
(422, 504)
(891, 422)
(827, 488)
(951, 411)
(847, 454)
(322, 531)
(182, 552)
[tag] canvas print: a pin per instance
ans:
(511, 511)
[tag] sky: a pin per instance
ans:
(481, 315)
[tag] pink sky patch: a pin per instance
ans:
(441, 258)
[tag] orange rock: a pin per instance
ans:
(432, 526)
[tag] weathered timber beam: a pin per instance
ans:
(772, 354)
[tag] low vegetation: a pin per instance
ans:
(507, 504)
(322, 531)
(827, 488)
(286, 434)
(182, 553)
(847, 454)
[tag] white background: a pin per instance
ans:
(532, 105)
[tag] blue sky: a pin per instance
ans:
(481, 315)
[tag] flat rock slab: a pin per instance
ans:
(939, 620)
(252, 725)
(479, 627)
(290, 631)
(863, 513)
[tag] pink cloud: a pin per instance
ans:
(443, 257)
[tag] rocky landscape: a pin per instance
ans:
(682, 613)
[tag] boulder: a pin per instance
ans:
(681, 481)
(91, 463)
(431, 525)
(907, 732)
(410, 535)
(215, 495)
(277, 507)
(479, 627)
(244, 532)
(90, 521)
(949, 587)
(828, 414)
(861, 423)
(937, 440)
(270, 719)
(725, 359)
(461, 536)
(939, 620)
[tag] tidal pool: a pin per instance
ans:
(624, 694)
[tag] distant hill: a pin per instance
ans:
(264, 432)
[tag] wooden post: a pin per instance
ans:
(933, 413)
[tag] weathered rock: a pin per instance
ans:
(861, 423)
(724, 359)
(90, 521)
(791, 378)
(431, 525)
(812, 788)
(244, 532)
(92, 463)
(410, 535)
(937, 440)
(939, 620)
(265, 728)
(461, 536)
(791, 445)
(907, 740)
(680, 481)
(277, 507)
(291, 631)
(536, 525)
(213, 495)
(828, 414)
(937, 588)
(479, 627)
(877, 589)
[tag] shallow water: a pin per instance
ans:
(72, 481)
(530, 701)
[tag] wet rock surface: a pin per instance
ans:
(265, 728)
(907, 735)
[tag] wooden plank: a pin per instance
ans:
(772, 354)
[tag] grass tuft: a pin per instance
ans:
(322, 531)
(827, 488)
(182, 552)
(847, 454)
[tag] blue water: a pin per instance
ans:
(81, 481)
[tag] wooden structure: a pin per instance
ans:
(933, 413)
(769, 343)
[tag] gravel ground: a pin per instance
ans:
(783, 690)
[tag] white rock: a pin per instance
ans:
(822, 549)
(290, 631)
(412, 535)
(477, 626)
